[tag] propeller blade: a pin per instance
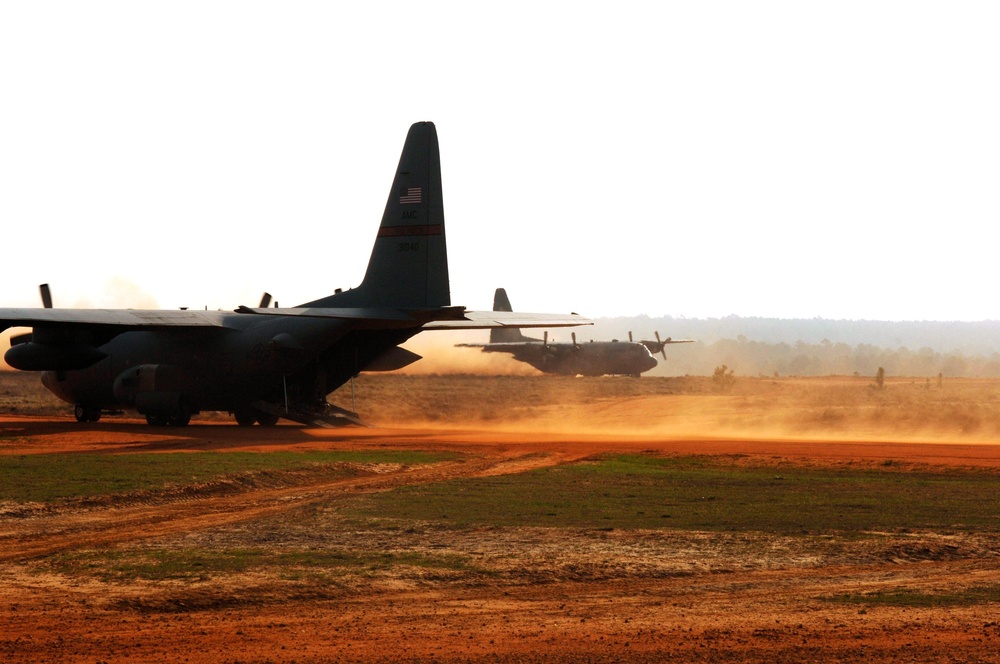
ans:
(574, 340)
(630, 336)
(662, 345)
(265, 300)
(46, 296)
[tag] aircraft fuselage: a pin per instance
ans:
(595, 358)
(251, 358)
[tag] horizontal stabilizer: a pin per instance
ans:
(392, 360)
(443, 318)
(484, 320)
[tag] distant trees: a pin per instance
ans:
(723, 379)
(765, 346)
(755, 358)
(880, 378)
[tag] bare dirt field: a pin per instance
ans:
(530, 593)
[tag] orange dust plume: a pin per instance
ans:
(441, 356)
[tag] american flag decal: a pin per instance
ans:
(412, 195)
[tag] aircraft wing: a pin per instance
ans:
(441, 318)
(119, 318)
(123, 320)
(355, 313)
(483, 320)
(515, 346)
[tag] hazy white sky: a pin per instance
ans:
(699, 159)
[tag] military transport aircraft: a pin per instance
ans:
(594, 358)
(264, 363)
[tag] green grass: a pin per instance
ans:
(906, 598)
(201, 564)
(50, 477)
(703, 493)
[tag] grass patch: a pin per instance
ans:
(702, 493)
(203, 564)
(51, 477)
(909, 598)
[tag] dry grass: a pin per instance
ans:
(23, 393)
(918, 407)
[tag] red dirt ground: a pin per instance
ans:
(707, 602)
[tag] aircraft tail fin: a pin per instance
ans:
(500, 301)
(408, 268)
(505, 335)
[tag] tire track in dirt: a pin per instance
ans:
(74, 528)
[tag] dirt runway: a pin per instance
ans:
(556, 596)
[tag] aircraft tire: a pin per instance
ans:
(85, 414)
(245, 417)
(267, 419)
(178, 420)
(181, 417)
(156, 420)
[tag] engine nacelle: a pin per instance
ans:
(33, 356)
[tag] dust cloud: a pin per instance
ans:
(118, 293)
(5, 343)
(441, 356)
(837, 408)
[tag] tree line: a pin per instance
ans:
(815, 347)
(757, 358)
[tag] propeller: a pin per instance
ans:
(654, 346)
(547, 352)
(661, 344)
(25, 337)
(265, 301)
(546, 348)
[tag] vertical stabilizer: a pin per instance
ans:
(500, 301)
(505, 335)
(409, 262)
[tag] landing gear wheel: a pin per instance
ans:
(267, 419)
(85, 414)
(245, 417)
(156, 420)
(181, 417)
